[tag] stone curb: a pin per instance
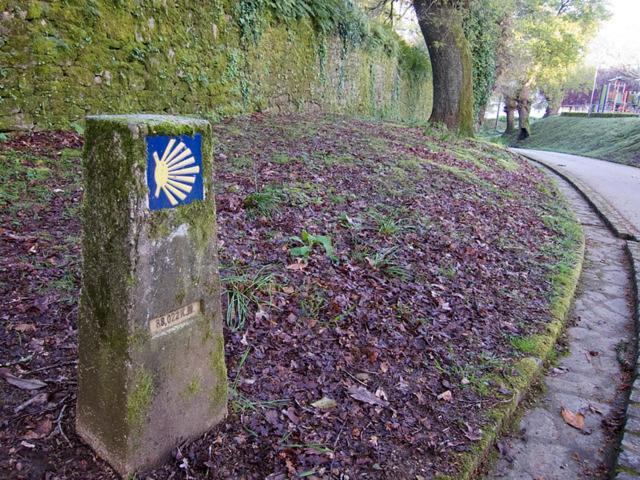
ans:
(530, 369)
(609, 216)
(628, 464)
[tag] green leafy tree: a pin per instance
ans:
(578, 79)
(547, 40)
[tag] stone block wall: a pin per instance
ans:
(63, 59)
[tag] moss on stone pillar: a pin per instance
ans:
(151, 351)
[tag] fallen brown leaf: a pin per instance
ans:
(363, 395)
(25, 327)
(446, 396)
(298, 266)
(22, 383)
(380, 393)
(43, 429)
(325, 403)
(576, 420)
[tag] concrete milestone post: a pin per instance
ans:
(151, 369)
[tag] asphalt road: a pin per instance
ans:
(618, 184)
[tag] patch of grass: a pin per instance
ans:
(413, 165)
(264, 203)
(23, 178)
(433, 146)
(465, 175)
(333, 160)
(67, 154)
(241, 163)
(241, 403)
(66, 285)
(13, 182)
(528, 345)
(385, 261)
(337, 198)
(243, 293)
(448, 271)
(613, 139)
(301, 194)
(345, 221)
(566, 251)
(72, 210)
(501, 155)
(388, 225)
(470, 156)
(469, 376)
(564, 272)
(282, 159)
(241, 362)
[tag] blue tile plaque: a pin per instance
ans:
(174, 170)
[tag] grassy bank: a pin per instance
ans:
(390, 292)
(613, 139)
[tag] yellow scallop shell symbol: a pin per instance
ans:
(173, 173)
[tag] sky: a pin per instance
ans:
(618, 41)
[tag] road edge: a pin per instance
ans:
(620, 227)
(627, 462)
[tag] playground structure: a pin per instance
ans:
(612, 93)
(616, 97)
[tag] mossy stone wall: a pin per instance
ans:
(63, 59)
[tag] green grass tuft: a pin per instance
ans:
(264, 203)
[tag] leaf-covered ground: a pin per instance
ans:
(373, 345)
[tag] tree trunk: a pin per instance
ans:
(524, 108)
(553, 108)
(510, 106)
(441, 25)
(481, 113)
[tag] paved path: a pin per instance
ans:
(619, 185)
(587, 379)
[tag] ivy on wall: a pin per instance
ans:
(340, 18)
(327, 17)
(482, 29)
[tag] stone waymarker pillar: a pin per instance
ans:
(151, 369)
